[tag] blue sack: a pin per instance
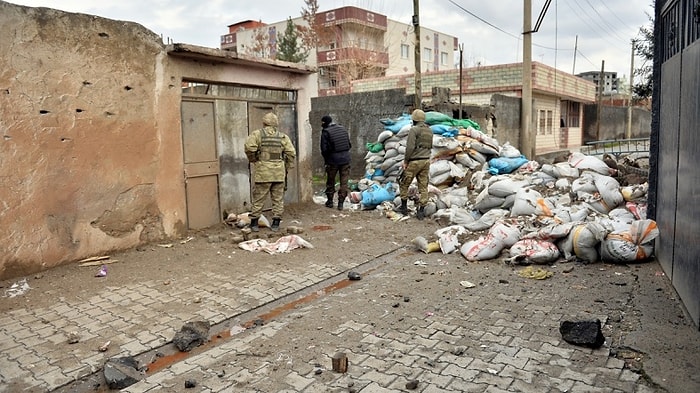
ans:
(377, 194)
(504, 165)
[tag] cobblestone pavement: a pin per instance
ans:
(413, 317)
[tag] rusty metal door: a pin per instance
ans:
(201, 164)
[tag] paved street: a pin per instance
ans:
(438, 333)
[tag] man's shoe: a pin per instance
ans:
(275, 224)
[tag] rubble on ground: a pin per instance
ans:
(493, 202)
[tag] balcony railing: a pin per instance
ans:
(352, 54)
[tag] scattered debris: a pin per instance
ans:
(191, 335)
(17, 289)
(587, 333)
(190, 383)
(535, 273)
(99, 262)
(412, 384)
(340, 362)
(467, 284)
(282, 245)
(102, 272)
(93, 259)
(73, 337)
(354, 276)
(122, 372)
(104, 347)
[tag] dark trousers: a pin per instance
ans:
(331, 172)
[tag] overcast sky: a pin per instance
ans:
(489, 31)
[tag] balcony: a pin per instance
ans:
(228, 42)
(352, 55)
(352, 15)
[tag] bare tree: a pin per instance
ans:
(260, 46)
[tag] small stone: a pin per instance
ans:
(73, 337)
(190, 383)
(395, 305)
(354, 276)
(412, 384)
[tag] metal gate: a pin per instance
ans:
(675, 183)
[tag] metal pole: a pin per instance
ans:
(628, 134)
(601, 86)
(527, 145)
(461, 50)
(573, 69)
(417, 80)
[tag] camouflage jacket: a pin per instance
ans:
(270, 167)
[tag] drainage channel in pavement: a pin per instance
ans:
(168, 354)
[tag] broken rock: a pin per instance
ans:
(191, 335)
(122, 372)
(586, 333)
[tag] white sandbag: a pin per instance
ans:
(455, 215)
(487, 220)
(457, 170)
(532, 251)
(509, 151)
(506, 186)
(582, 161)
(403, 132)
(505, 231)
(529, 202)
(551, 232)
(562, 184)
(439, 167)
(440, 179)
(486, 247)
(445, 142)
(384, 135)
(466, 160)
(485, 201)
(609, 190)
(541, 178)
(476, 156)
(633, 245)
(585, 183)
(448, 238)
(476, 182)
(635, 192)
(454, 200)
(583, 240)
(483, 148)
(639, 209)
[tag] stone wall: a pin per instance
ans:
(613, 123)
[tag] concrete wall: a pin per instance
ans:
(613, 123)
(91, 153)
(360, 113)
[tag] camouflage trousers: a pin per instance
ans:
(418, 169)
(260, 193)
(343, 171)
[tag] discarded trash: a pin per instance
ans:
(168, 245)
(535, 273)
(99, 262)
(283, 244)
(104, 347)
(17, 289)
(102, 272)
(467, 284)
(73, 337)
(427, 247)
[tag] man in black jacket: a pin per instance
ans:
(335, 148)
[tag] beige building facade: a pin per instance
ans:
(361, 44)
(111, 139)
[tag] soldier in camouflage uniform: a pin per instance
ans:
(272, 154)
(416, 163)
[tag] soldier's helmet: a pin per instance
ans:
(270, 119)
(418, 115)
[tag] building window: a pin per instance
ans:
(541, 122)
(404, 51)
(550, 122)
(427, 54)
(443, 58)
(573, 118)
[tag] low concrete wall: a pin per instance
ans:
(613, 123)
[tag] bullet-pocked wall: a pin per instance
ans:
(91, 155)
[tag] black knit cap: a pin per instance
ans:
(326, 120)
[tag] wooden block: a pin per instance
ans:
(340, 362)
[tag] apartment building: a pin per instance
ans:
(610, 81)
(358, 44)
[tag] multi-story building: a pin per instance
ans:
(610, 80)
(360, 44)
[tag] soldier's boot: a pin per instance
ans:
(329, 202)
(254, 224)
(403, 209)
(275, 224)
(340, 205)
(420, 214)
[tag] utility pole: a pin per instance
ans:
(461, 51)
(416, 55)
(573, 69)
(601, 86)
(527, 145)
(628, 134)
